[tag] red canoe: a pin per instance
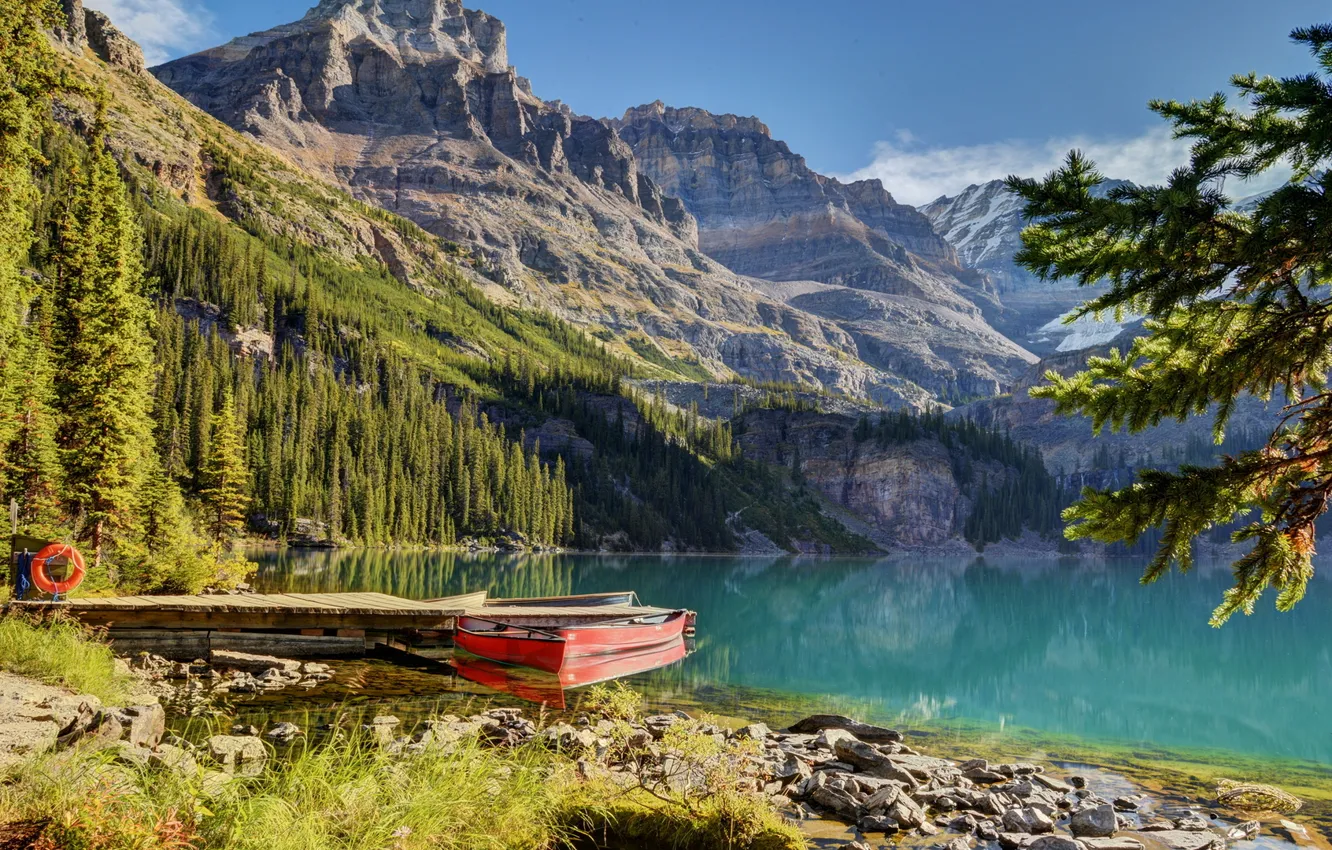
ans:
(551, 650)
(548, 688)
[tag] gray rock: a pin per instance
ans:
(1015, 840)
(1055, 842)
(1126, 804)
(873, 762)
(235, 750)
(1179, 839)
(1078, 781)
(864, 731)
(1093, 822)
(171, 757)
(905, 811)
(245, 729)
(830, 738)
(958, 844)
(1120, 843)
(882, 799)
(877, 823)
(143, 725)
(1028, 820)
(755, 731)
(836, 800)
(1192, 822)
(283, 733)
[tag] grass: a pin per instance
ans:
(344, 792)
(62, 653)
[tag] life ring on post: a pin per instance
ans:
(41, 574)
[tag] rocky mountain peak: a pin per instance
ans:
(693, 118)
(78, 28)
(419, 30)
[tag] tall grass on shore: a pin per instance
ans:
(63, 653)
(345, 794)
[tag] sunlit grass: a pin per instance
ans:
(60, 652)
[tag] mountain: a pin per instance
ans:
(848, 253)
(413, 106)
(984, 224)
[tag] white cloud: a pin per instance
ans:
(163, 28)
(917, 174)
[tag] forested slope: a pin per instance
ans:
(312, 367)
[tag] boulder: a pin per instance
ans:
(876, 823)
(882, 799)
(251, 663)
(873, 762)
(1015, 840)
(171, 757)
(829, 738)
(756, 731)
(1093, 822)
(142, 725)
(906, 812)
(235, 750)
(961, 843)
(1180, 839)
(864, 731)
(1055, 842)
(1192, 822)
(1028, 820)
(835, 800)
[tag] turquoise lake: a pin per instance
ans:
(1066, 648)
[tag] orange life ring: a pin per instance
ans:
(42, 577)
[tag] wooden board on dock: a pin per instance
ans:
(256, 611)
(332, 614)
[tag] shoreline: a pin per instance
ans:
(836, 778)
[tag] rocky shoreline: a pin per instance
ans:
(825, 767)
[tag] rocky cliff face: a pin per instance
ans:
(413, 105)
(763, 212)
(80, 28)
(848, 253)
(905, 494)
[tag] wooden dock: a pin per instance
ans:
(302, 624)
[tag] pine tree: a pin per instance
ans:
(1236, 303)
(225, 476)
(104, 368)
(30, 461)
(27, 78)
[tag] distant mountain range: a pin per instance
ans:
(696, 240)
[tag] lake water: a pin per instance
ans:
(1076, 649)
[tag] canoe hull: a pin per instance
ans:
(551, 650)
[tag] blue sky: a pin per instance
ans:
(930, 96)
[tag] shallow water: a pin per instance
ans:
(1068, 649)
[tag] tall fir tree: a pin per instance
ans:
(29, 461)
(224, 476)
(104, 357)
(1236, 303)
(27, 78)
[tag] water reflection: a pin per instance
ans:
(1076, 648)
